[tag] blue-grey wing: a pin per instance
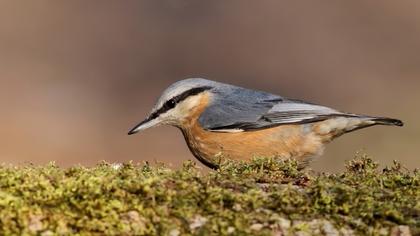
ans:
(251, 110)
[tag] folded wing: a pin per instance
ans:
(232, 114)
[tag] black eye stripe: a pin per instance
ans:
(189, 93)
(171, 103)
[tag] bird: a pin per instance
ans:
(226, 122)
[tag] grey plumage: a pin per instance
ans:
(245, 109)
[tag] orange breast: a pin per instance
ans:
(285, 141)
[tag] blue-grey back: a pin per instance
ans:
(235, 108)
(232, 104)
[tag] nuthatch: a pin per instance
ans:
(222, 120)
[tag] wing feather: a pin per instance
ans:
(247, 110)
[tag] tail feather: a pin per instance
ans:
(337, 126)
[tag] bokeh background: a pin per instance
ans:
(76, 75)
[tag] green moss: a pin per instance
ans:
(263, 197)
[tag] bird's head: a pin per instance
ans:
(177, 103)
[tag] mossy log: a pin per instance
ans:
(263, 197)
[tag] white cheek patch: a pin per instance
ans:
(182, 109)
(188, 104)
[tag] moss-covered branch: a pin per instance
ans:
(265, 197)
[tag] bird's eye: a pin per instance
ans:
(170, 103)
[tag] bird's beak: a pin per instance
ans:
(147, 123)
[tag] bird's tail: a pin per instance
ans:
(363, 121)
(345, 123)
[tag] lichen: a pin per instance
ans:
(262, 197)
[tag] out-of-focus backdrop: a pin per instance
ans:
(76, 75)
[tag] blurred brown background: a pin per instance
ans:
(75, 76)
